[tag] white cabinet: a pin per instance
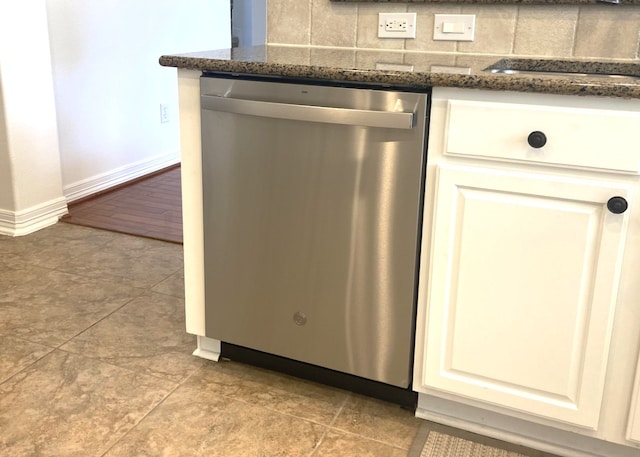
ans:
(528, 302)
(633, 432)
(523, 285)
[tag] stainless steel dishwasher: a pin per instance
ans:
(312, 210)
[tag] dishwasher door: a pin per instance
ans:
(312, 208)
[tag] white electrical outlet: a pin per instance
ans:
(397, 25)
(164, 113)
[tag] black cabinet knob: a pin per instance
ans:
(617, 205)
(537, 139)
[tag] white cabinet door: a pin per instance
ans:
(633, 432)
(522, 289)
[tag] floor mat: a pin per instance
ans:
(435, 440)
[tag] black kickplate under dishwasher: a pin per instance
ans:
(406, 398)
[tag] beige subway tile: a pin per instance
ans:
(495, 27)
(606, 32)
(545, 31)
(371, 59)
(333, 24)
(368, 27)
(331, 57)
(430, 62)
(289, 56)
(424, 28)
(289, 22)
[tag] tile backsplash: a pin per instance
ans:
(585, 31)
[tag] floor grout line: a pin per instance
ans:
(142, 419)
(333, 420)
(51, 350)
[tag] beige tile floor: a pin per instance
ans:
(94, 361)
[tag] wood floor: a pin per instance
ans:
(149, 207)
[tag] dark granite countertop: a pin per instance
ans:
(419, 70)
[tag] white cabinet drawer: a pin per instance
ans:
(575, 137)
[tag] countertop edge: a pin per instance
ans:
(416, 80)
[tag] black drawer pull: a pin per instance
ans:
(537, 139)
(617, 205)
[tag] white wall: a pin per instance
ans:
(29, 156)
(6, 180)
(100, 58)
(109, 85)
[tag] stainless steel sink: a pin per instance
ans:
(566, 68)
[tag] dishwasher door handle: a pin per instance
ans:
(309, 113)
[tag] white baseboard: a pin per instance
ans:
(19, 223)
(104, 181)
(517, 431)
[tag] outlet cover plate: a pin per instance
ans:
(454, 27)
(164, 113)
(397, 25)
